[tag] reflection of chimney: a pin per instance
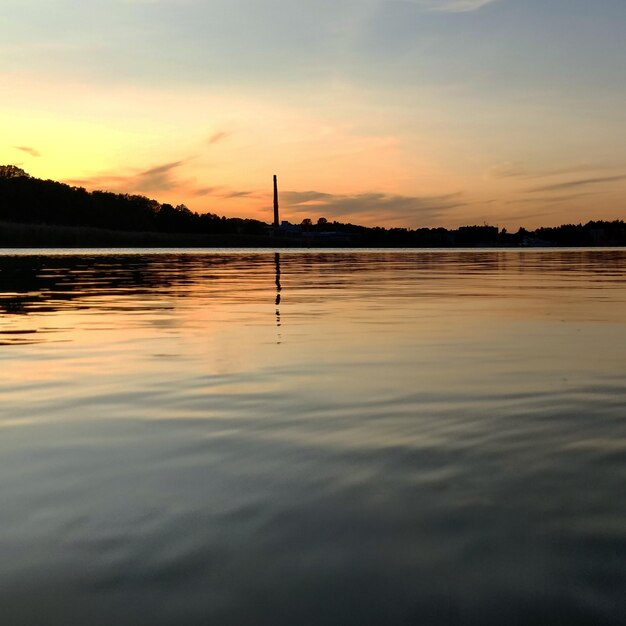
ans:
(276, 222)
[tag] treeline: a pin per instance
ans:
(594, 233)
(31, 200)
(73, 214)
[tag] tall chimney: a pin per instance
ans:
(276, 222)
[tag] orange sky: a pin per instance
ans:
(383, 114)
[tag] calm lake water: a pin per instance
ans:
(310, 438)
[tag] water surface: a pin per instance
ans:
(380, 437)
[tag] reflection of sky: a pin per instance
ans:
(123, 331)
(410, 102)
(218, 313)
(434, 429)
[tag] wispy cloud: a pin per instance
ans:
(205, 191)
(567, 197)
(160, 177)
(217, 137)
(28, 150)
(452, 6)
(238, 194)
(154, 181)
(522, 217)
(163, 177)
(515, 169)
(572, 169)
(506, 169)
(373, 207)
(582, 182)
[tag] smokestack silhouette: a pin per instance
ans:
(276, 222)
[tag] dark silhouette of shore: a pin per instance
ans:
(46, 213)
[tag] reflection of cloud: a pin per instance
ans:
(583, 182)
(28, 150)
(452, 6)
(375, 207)
(216, 137)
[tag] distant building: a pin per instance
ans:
(276, 218)
(290, 229)
(535, 242)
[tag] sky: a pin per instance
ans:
(416, 113)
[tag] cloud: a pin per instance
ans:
(217, 137)
(515, 169)
(238, 194)
(452, 6)
(552, 199)
(583, 182)
(506, 169)
(28, 150)
(165, 177)
(159, 178)
(522, 216)
(205, 191)
(154, 179)
(100, 181)
(374, 207)
(572, 169)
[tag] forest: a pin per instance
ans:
(47, 212)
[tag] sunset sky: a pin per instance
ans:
(391, 112)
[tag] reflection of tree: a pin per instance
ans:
(50, 283)
(36, 283)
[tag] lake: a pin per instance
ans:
(313, 437)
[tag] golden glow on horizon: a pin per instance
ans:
(217, 154)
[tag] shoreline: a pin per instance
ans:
(18, 235)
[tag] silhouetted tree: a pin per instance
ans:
(28, 200)
(12, 171)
